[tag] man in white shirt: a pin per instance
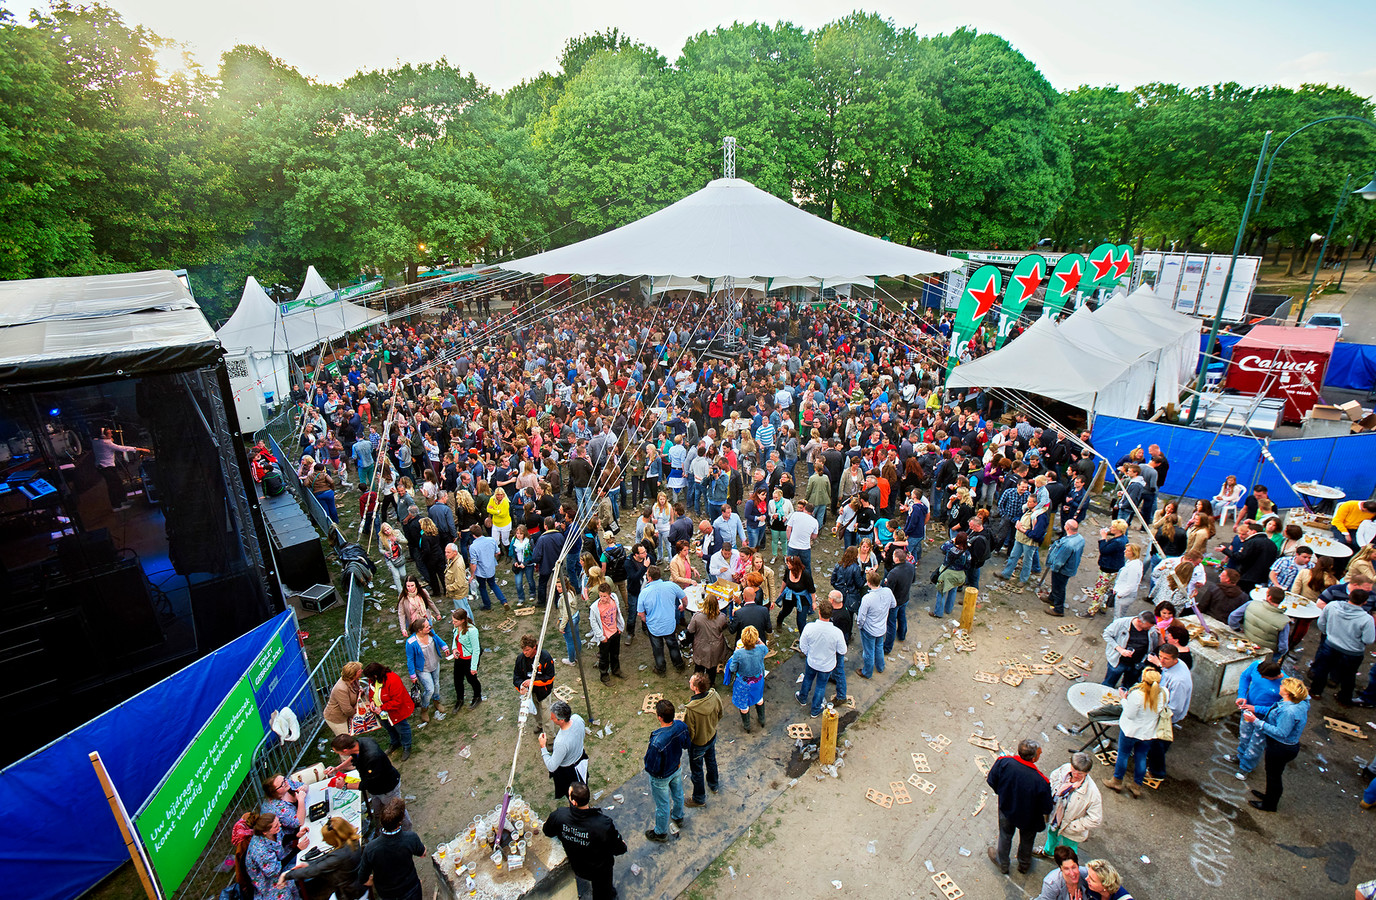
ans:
(873, 619)
(801, 528)
(823, 645)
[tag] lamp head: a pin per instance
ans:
(1368, 192)
(1315, 238)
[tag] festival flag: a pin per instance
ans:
(1027, 276)
(1101, 269)
(1064, 282)
(980, 293)
(1122, 263)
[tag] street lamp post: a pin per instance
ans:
(1242, 229)
(1327, 236)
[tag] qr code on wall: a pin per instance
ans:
(237, 368)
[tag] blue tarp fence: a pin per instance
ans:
(1353, 366)
(1343, 462)
(1225, 343)
(68, 839)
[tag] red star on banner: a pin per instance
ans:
(1102, 267)
(1070, 278)
(1029, 282)
(1122, 264)
(985, 298)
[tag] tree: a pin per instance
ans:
(999, 170)
(615, 144)
(44, 160)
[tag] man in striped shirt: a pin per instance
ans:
(765, 438)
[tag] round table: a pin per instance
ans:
(1321, 492)
(1294, 606)
(1084, 698)
(1326, 545)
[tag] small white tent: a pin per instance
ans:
(732, 228)
(261, 337)
(1107, 361)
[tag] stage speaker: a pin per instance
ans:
(117, 604)
(300, 558)
(225, 608)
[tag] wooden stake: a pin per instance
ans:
(967, 612)
(125, 828)
(826, 744)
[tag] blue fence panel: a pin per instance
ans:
(1300, 460)
(1350, 466)
(1343, 461)
(70, 840)
(1352, 366)
(1185, 449)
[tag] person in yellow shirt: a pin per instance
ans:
(1349, 516)
(499, 508)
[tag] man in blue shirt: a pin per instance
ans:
(730, 531)
(658, 609)
(663, 763)
(1063, 562)
(482, 554)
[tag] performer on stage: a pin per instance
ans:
(105, 449)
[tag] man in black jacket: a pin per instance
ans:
(544, 556)
(389, 858)
(1024, 803)
(899, 580)
(751, 612)
(590, 841)
(1253, 556)
(531, 679)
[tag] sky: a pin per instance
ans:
(1072, 42)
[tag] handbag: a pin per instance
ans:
(1165, 731)
(936, 573)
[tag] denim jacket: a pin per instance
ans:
(1285, 722)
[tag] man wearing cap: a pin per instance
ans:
(1127, 644)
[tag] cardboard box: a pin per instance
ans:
(1328, 413)
(1365, 423)
(1353, 408)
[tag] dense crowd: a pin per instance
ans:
(594, 454)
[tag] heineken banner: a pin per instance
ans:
(980, 293)
(1122, 263)
(1101, 268)
(1026, 278)
(1065, 280)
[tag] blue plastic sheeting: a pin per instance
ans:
(1352, 366)
(1225, 343)
(69, 839)
(1342, 462)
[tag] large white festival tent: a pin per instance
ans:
(262, 336)
(1107, 361)
(730, 228)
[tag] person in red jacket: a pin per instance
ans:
(393, 698)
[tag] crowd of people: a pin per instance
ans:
(585, 455)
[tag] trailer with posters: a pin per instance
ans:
(1285, 363)
(1194, 282)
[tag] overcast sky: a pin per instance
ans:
(1072, 42)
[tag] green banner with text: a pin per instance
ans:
(178, 822)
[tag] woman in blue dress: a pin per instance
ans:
(262, 860)
(745, 671)
(286, 800)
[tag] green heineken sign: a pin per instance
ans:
(981, 291)
(1101, 269)
(1064, 282)
(1027, 276)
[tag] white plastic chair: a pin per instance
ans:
(1230, 504)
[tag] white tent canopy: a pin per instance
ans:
(265, 337)
(1108, 361)
(733, 228)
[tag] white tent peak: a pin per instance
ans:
(313, 286)
(730, 228)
